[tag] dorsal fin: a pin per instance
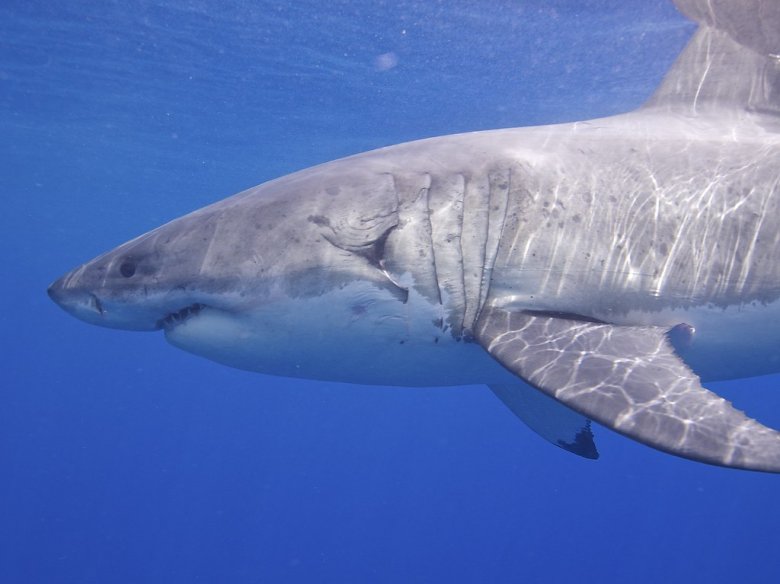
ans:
(731, 63)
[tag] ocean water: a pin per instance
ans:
(124, 460)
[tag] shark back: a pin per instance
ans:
(732, 63)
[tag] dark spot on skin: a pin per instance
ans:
(576, 218)
(127, 268)
(320, 220)
(435, 339)
(401, 342)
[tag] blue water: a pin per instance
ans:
(124, 460)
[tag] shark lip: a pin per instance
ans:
(174, 319)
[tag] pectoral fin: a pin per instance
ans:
(549, 418)
(630, 379)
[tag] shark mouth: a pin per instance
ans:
(176, 318)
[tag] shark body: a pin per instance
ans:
(598, 270)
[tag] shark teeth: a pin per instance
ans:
(178, 317)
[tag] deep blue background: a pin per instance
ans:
(124, 460)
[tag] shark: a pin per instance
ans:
(602, 270)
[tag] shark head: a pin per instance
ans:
(304, 235)
(247, 280)
(145, 284)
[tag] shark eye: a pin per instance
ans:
(127, 268)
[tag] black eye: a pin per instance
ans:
(127, 268)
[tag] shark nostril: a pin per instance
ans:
(96, 304)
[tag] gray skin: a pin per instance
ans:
(610, 264)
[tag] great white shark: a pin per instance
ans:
(598, 270)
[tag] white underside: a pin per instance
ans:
(362, 334)
(358, 334)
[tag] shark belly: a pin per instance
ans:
(308, 338)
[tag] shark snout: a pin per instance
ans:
(128, 310)
(80, 303)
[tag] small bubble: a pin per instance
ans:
(385, 61)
